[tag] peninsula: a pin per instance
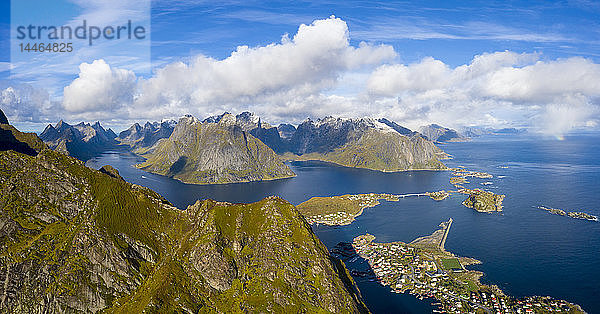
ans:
(342, 210)
(425, 269)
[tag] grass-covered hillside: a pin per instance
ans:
(384, 151)
(73, 239)
(214, 153)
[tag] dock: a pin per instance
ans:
(443, 242)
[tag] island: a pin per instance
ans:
(483, 201)
(460, 175)
(342, 210)
(575, 215)
(425, 269)
(439, 195)
(479, 200)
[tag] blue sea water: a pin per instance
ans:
(524, 250)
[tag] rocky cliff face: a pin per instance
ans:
(214, 151)
(138, 137)
(73, 239)
(286, 130)
(3, 118)
(364, 143)
(436, 133)
(82, 141)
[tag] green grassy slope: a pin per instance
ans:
(214, 153)
(383, 151)
(75, 239)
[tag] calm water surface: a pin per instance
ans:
(524, 250)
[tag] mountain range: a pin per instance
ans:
(138, 137)
(243, 148)
(437, 133)
(82, 141)
(73, 239)
(217, 150)
(364, 143)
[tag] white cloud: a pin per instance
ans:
(494, 89)
(24, 103)
(423, 76)
(306, 64)
(99, 88)
(317, 72)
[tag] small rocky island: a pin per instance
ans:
(483, 201)
(439, 195)
(575, 215)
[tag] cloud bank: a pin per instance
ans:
(553, 96)
(309, 74)
(99, 88)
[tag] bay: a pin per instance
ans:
(524, 250)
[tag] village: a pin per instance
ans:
(437, 274)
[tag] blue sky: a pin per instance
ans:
(415, 62)
(452, 31)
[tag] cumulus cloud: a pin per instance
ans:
(306, 64)
(499, 88)
(25, 103)
(99, 88)
(301, 76)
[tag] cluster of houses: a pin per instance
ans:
(405, 268)
(333, 219)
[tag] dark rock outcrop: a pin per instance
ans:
(111, 171)
(3, 118)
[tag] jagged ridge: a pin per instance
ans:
(214, 152)
(73, 239)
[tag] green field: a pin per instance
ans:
(451, 263)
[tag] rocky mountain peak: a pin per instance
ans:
(188, 119)
(227, 119)
(438, 133)
(82, 140)
(3, 118)
(286, 130)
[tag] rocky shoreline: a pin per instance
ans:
(574, 215)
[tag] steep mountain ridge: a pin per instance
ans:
(437, 133)
(13, 139)
(73, 239)
(138, 137)
(82, 141)
(214, 151)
